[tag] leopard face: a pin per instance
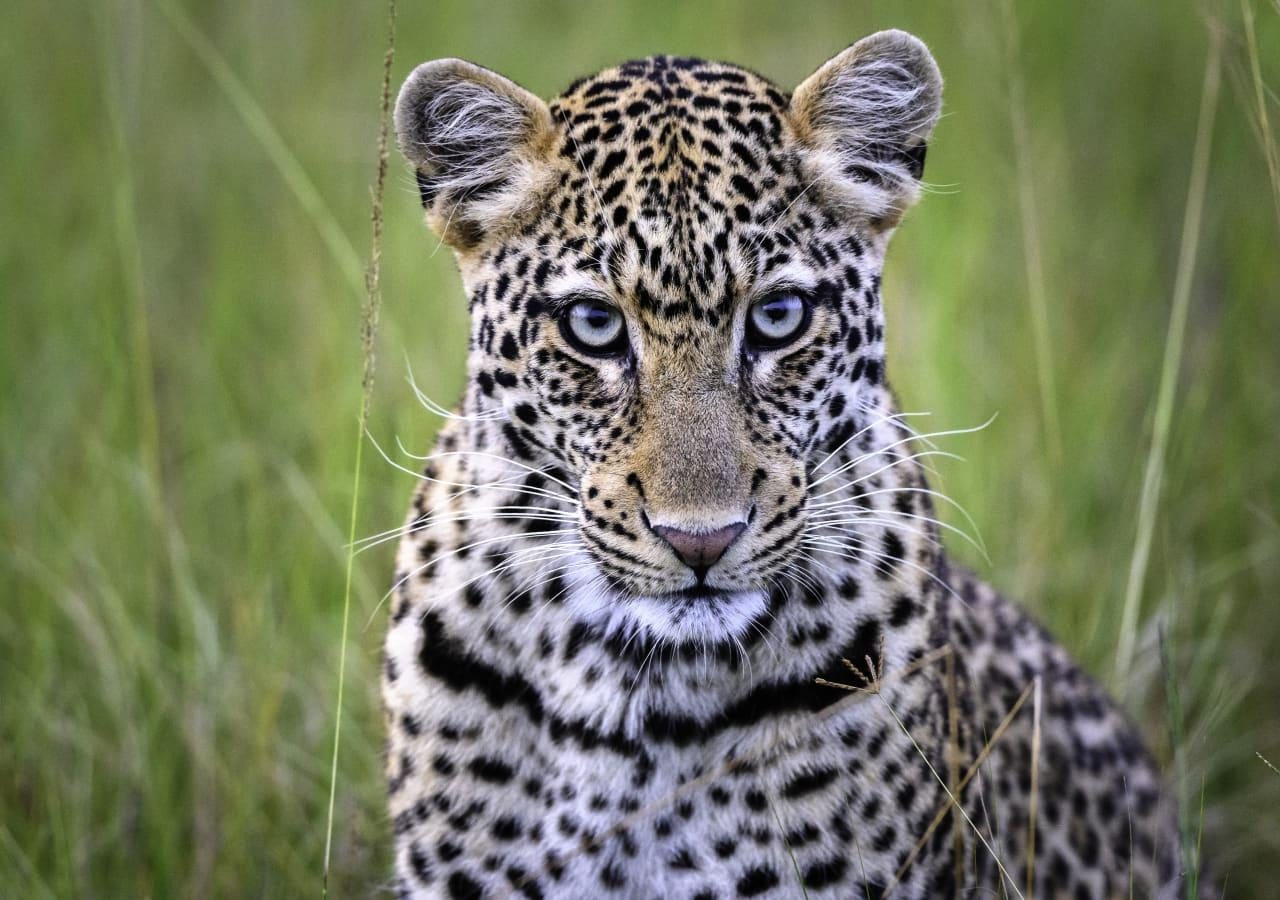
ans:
(673, 272)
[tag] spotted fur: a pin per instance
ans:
(572, 710)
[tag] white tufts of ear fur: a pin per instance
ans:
(866, 116)
(478, 142)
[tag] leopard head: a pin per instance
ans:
(673, 271)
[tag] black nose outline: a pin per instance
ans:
(700, 550)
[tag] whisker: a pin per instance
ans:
(510, 561)
(828, 520)
(901, 441)
(537, 492)
(447, 454)
(432, 406)
(882, 523)
(420, 526)
(550, 571)
(897, 461)
(906, 490)
(822, 544)
(859, 433)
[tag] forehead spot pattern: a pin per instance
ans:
(671, 162)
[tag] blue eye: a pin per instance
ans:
(594, 327)
(777, 320)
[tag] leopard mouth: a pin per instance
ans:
(700, 591)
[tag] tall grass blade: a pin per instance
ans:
(1260, 97)
(1153, 475)
(368, 332)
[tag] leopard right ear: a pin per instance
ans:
(865, 117)
(479, 143)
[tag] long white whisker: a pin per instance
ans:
(826, 520)
(873, 520)
(918, 455)
(550, 569)
(904, 440)
(906, 490)
(859, 433)
(447, 454)
(537, 492)
(863, 554)
(443, 412)
(419, 526)
(510, 561)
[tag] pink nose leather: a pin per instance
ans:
(700, 550)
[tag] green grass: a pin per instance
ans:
(180, 368)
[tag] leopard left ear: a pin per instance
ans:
(866, 116)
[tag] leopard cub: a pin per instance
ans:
(678, 508)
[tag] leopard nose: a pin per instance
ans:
(700, 550)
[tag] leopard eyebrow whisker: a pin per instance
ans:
(773, 224)
(595, 191)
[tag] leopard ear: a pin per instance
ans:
(478, 142)
(866, 116)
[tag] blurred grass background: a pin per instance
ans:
(180, 372)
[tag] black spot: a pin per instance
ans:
(420, 864)
(444, 658)
(494, 771)
(740, 150)
(757, 880)
(509, 348)
(905, 609)
(612, 877)
(883, 841)
(611, 162)
(463, 887)
(507, 828)
(826, 872)
(612, 192)
(891, 556)
(744, 187)
(682, 859)
(808, 782)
